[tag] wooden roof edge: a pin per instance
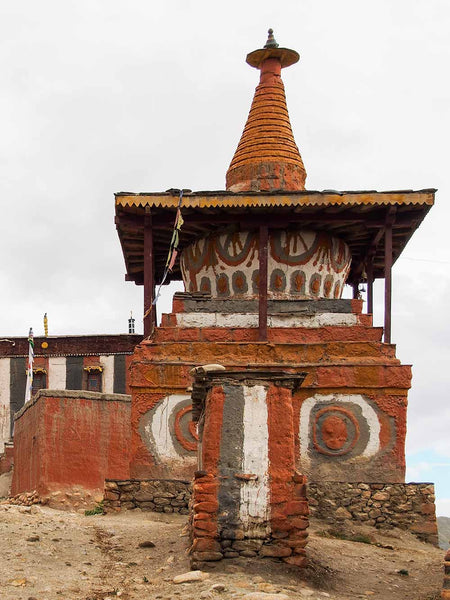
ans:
(312, 198)
(276, 193)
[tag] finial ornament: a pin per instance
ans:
(267, 158)
(272, 50)
(271, 41)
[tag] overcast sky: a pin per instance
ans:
(103, 96)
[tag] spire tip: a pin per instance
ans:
(271, 41)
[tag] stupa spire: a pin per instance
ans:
(267, 158)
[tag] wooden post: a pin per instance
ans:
(369, 271)
(387, 280)
(149, 276)
(263, 268)
(355, 287)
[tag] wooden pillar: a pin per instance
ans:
(149, 276)
(355, 287)
(263, 269)
(369, 271)
(387, 281)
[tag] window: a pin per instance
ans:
(93, 378)
(39, 381)
(94, 381)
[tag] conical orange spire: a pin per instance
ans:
(267, 158)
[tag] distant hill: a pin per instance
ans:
(444, 532)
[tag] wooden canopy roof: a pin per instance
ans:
(357, 217)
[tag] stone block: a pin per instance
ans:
(296, 507)
(127, 497)
(178, 503)
(381, 496)
(161, 501)
(232, 534)
(299, 523)
(147, 506)
(112, 495)
(298, 561)
(111, 485)
(230, 554)
(241, 545)
(205, 525)
(275, 550)
(208, 507)
(205, 544)
(342, 514)
(201, 497)
(428, 509)
(144, 496)
(127, 487)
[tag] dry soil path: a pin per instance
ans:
(48, 555)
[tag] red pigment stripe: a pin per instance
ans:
(213, 427)
(206, 488)
(281, 452)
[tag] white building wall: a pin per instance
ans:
(4, 402)
(107, 363)
(56, 373)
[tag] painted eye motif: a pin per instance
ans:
(168, 432)
(338, 425)
(335, 431)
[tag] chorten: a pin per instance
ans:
(264, 265)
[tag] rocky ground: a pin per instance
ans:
(49, 554)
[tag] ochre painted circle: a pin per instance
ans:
(180, 435)
(335, 431)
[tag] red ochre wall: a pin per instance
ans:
(351, 377)
(73, 440)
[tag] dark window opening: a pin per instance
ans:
(39, 382)
(94, 381)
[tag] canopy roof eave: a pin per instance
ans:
(357, 217)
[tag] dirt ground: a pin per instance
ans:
(49, 554)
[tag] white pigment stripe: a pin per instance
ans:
(254, 502)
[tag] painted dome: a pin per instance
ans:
(302, 264)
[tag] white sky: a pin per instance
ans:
(103, 96)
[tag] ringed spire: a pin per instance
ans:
(267, 158)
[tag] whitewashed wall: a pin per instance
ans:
(4, 402)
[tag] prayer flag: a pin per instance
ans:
(29, 385)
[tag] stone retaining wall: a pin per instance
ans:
(406, 505)
(157, 495)
(446, 589)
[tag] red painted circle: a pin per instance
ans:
(334, 431)
(187, 444)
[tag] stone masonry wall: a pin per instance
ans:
(406, 505)
(157, 495)
(446, 589)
